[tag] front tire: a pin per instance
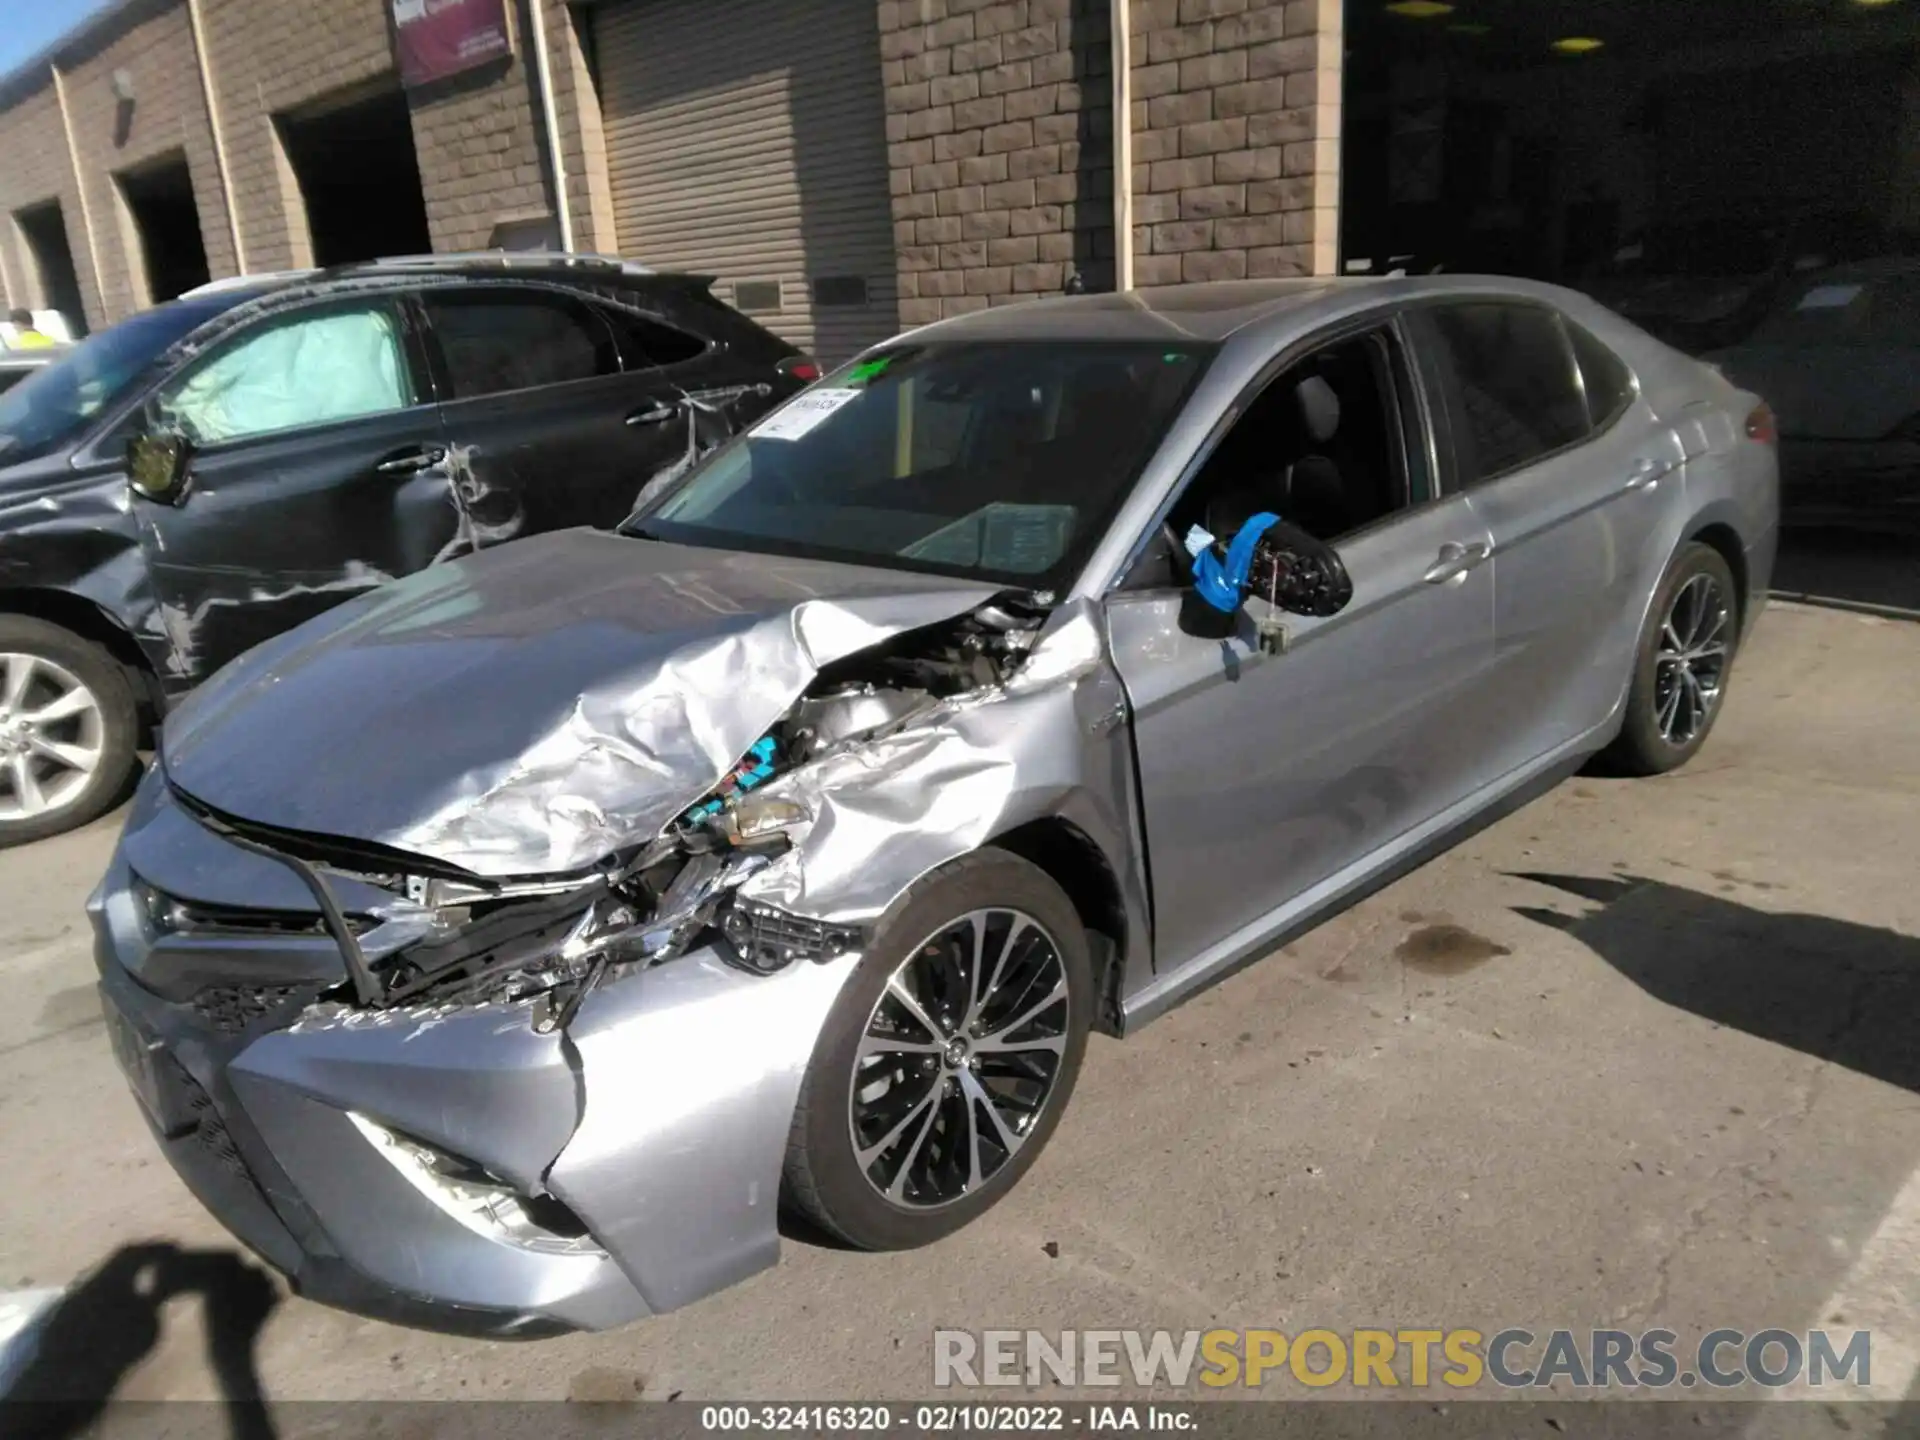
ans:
(1682, 665)
(69, 729)
(948, 1058)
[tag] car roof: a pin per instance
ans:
(1205, 312)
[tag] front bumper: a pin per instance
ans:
(254, 1104)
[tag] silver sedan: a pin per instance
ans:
(502, 950)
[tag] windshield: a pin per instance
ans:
(996, 461)
(51, 407)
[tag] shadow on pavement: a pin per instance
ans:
(107, 1323)
(1853, 570)
(1828, 988)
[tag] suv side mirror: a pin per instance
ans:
(157, 465)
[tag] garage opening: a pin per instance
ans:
(1685, 161)
(44, 229)
(166, 226)
(359, 178)
(748, 142)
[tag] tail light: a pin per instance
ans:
(1761, 426)
(801, 368)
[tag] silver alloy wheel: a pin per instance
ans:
(959, 1058)
(52, 735)
(1690, 665)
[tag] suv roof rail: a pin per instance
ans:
(506, 259)
(235, 282)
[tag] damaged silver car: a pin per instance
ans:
(502, 950)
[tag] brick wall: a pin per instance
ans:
(270, 56)
(1235, 138)
(167, 116)
(999, 148)
(477, 137)
(36, 170)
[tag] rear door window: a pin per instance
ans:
(1515, 389)
(493, 342)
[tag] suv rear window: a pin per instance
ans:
(496, 341)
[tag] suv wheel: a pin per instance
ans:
(948, 1058)
(68, 730)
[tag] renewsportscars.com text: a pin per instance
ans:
(1458, 1358)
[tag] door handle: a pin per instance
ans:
(409, 461)
(1455, 560)
(1645, 474)
(653, 413)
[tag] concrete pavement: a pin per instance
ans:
(1642, 1053)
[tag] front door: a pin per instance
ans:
(544, 427)
(316, 474)
(1264, 775)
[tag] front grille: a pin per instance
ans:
(209, 1130)
(232, 1008)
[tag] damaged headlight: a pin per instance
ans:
(477, 1200)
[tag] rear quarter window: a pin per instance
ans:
(1604, 377)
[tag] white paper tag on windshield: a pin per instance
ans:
(1829, 297)
(801, 414)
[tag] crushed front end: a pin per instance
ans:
(524, 1104)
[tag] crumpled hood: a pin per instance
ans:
(529, 709)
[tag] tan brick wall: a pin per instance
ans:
(477, 137)
(270, 56)
(1236, 138)
(168, 115)
(37, 170)
(999, 142)
(583, 146)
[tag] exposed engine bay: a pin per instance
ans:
(466, 941)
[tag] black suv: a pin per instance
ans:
(220, 468)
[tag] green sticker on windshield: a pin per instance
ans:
(862, 373)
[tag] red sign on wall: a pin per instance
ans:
(438, 38)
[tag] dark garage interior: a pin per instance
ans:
(359, 177)
(159, 200)
(1679, 159)
(44, 228)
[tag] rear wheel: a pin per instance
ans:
(1682, 666)
(68, 730)
(948, 1058)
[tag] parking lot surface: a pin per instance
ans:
(1643, 1053)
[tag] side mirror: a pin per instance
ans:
(1268, 558)
(157, 465)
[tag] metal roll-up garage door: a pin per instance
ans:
(746, 139)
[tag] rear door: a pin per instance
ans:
(316, 474)
(551, 417)
(1572, 473)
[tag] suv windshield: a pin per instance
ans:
(49, 408)
(999, 461)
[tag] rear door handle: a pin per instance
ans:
(1455, 560)
(652, 413)
(425, 457)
